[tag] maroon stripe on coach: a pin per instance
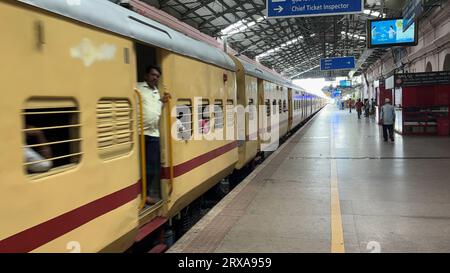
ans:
(188, 166)
(42, 234)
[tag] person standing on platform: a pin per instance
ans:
(388, 120)
(152, 108)
(372, 106)
(359, 105)
(366, 108)
(350, 105)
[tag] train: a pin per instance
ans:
(70, 69)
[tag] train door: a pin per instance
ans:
(149, 73)
(302, 104)
(261, 106)
(290, 109)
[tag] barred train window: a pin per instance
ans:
(204, 116)
(285, 106)
(51, 135)
(280, 108)
(218, 114)
(114, 127)
(274, 107)
(184, 119)
(230, 113)
(268, 107)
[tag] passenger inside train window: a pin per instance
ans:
(183, 133)
(204, 124)
(204, 117)
(39, 154)
(152, 108)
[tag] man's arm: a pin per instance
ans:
(40, 165)
(43, 150)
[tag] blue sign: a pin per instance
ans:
(339, 63)
(297, 8)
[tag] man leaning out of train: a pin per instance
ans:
(153, 103)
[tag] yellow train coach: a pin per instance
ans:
(69, 75)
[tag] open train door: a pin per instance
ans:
(290, 108)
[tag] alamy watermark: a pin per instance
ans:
(201, 120)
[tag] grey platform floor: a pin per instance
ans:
(394, 197)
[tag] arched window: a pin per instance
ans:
(446, 63)
(429, 67)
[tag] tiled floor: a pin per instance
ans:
(394, 197)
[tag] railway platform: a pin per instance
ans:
(336, 186)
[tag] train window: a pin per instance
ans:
(230, 113)
(184, 119)
(285, 106)
(114, 127)
(268, 107)
(203, 116)
(274, 107)
(280, 108)
(218, 114)
(51, 132)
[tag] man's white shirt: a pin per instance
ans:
(152, 106)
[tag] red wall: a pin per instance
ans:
(426, 96)
(383, 94)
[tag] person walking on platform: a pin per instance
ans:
(359, 105)
(388, 120)
(350, 105)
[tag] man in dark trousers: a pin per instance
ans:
(359, 105)
(388, 120)
(152, 108)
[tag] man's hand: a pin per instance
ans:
(166, 97)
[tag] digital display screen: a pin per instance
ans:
(345, 83)
(389, 32)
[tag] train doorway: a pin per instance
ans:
(148, 80)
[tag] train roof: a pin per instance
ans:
(255, 71)
(114, 18)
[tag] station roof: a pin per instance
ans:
(291, 46)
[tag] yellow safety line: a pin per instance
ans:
(337, 233)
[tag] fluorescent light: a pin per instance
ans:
(355, 36)
(374, 13)
(240, 26)
(278, 48)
